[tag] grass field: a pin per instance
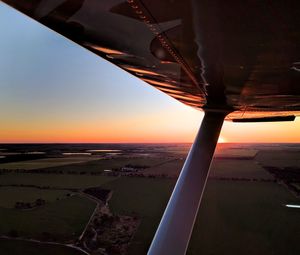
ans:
(171, 168)
(235, 217)
(63, 219)
(47, 162)
(235, 152)
(10, 195)
(230, 168)
(144, 197)
(54, 180)
(279, 158)
(100, 165)
(246, 218)
(16, 247)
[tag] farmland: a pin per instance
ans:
(54, 180)
(243, 209)
(10, 195)
(98, 166)
(60, 220)
(145, 198)
(246, 218)
(230, 211)
(43, 163)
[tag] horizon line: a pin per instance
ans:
(6, 143)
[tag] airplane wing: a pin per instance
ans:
(239, 56)
(233, 59)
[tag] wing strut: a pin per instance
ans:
(175, 229)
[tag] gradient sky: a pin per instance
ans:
(55, 91)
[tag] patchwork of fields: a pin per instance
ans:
(243, 209)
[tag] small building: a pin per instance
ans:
(128, 169)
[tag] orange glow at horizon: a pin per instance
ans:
(167, 127)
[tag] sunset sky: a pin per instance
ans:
(55, 91)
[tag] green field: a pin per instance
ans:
(230, 168)
(235, 217)
(62, 219)
(10, 195)
(279, 158)
(16, 247)
(97, 166)
(171, 168)
(144, 197)
(235, 152)
(47, 162)
(246, 218)
(54, 180)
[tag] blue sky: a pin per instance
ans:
(46, 78)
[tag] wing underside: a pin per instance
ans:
(242, 57)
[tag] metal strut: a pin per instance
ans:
(175, 229)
